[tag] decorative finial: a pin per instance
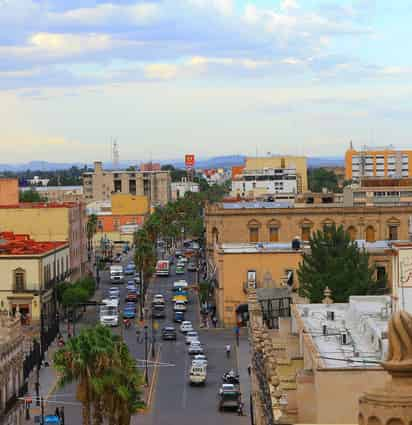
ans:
(328, 296)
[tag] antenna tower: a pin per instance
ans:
(115, 154)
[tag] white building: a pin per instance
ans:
(179, 189)
(265, 182)
(37, 181)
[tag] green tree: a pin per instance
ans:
(320, 178)
(145, 254)
(335, 261)
(30, 195)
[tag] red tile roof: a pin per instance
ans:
(15, 244)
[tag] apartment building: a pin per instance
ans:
(383, 161)
(179, 189)
(273, 182)
(100, 184)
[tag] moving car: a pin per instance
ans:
(109, 312)
(158, 299)
(129, 269)
(131, 297)
(229, 397)
(179, 316)
(186, 326)
(197, 374)
(191, 336)
(116, 274)
(192, 266)
(129, 312)
(200, 358)
(179, 306)
(158, 311)
(195, 348)
(180, 269)
(169, 333)
(180, 298)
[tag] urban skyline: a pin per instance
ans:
(215, 77)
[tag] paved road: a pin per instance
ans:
(175, 401)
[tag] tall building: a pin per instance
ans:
(100, 184)
(298, 163)
(377, 162)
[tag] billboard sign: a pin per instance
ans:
(189, 160)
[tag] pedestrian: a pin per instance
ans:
(240, 408)
(228, 348)
(214, 320)
(57, 412)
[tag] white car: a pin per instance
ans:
(158, 298)
(191, 336)
(200, 359)
(195, 348)
(186, 326)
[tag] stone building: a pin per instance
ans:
(243, 222)
(12, 383)
(100, 184)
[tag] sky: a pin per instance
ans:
(209, 77)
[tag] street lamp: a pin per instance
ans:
(146, 354)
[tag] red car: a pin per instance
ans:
(131, 297)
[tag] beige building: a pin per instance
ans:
(321, 359)
(11, 370)
(243, 222)
(29, 271)
(299, 163)
(237, 267)
(100, 184)
(51, 221)
(59, 193)
(9, 191)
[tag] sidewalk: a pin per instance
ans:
(243, 362)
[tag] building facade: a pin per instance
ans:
(51, 221)
(59, 193)
(179, 189)
(377, 162)
(299, 163)
(253, 184)
(12, 385)
(100, 184)
(244, 222)
(29, 271)
(9, 191)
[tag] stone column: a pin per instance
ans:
(392, 404)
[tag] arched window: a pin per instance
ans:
(370, 234)
(352, 233)
(19, 280)
(253, 226)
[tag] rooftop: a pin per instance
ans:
(257, 204)
(15, 244)
(348, 335)
(33, 205)
(254, 248)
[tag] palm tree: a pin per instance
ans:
(81, 359)
(91, 228)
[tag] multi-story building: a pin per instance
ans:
(377, 162)
(51, 222)
(59, 193)
(244, 222)
(29, 272)
(273, 182)
(297, 163)
(179, 189)
(100, 184)
(12, 385)
(9, 191)
(322, 357)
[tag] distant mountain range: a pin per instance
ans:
(214, 162)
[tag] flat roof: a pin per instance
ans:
(258, 247)
(22, 244)
(43, 205)
(363, 321)
(256, 204)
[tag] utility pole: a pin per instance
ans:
(141, 296)
(146, 354)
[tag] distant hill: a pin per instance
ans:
(214, 162)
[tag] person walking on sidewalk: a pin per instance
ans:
(214, 321)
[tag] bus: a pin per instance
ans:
(162, 268)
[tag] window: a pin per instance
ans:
(352, 233)
(305, 233)
(380, 273)
(393, 232)
(253, 234)
(19, 280)
(274, 234)
(370, 234)
(117, 185)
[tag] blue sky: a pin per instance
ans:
(212, 77)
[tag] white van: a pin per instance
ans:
(116, 274)
(198, 374)
(109, 313)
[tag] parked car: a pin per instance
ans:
(186, 326)
(129, 269)
(136, 277)
(131, 297)
(169, 333)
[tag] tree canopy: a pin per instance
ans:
(320, 178)
(336, 262)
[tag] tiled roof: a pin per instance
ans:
(15, 244)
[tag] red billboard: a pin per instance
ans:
(189, 160)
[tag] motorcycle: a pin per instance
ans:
(230, 377)
(127, 323)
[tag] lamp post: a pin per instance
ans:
(146, 354)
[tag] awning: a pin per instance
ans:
(242, 308)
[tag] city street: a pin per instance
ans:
(173, 399)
